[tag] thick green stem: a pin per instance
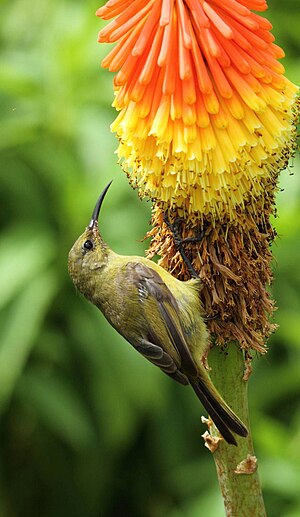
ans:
(241, 492)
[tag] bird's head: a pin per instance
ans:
(89, 252)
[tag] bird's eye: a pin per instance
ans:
(88, 245)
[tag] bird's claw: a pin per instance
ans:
(178, 241)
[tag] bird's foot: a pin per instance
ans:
(206, 319)
(179, 242)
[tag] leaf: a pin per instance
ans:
(281, 476)
(24, 254)
(21, 329)
(58, 406)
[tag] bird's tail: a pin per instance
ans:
(221, 414)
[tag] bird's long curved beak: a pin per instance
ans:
(95, 215)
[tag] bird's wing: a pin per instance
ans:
(164, 345)
(156, 355)
(163, 319)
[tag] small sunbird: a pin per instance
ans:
(158, 314)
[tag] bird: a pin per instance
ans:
(158, 314)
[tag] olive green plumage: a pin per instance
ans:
(158, 314)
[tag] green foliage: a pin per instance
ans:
(88, 428)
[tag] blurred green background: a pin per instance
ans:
(89, 428)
